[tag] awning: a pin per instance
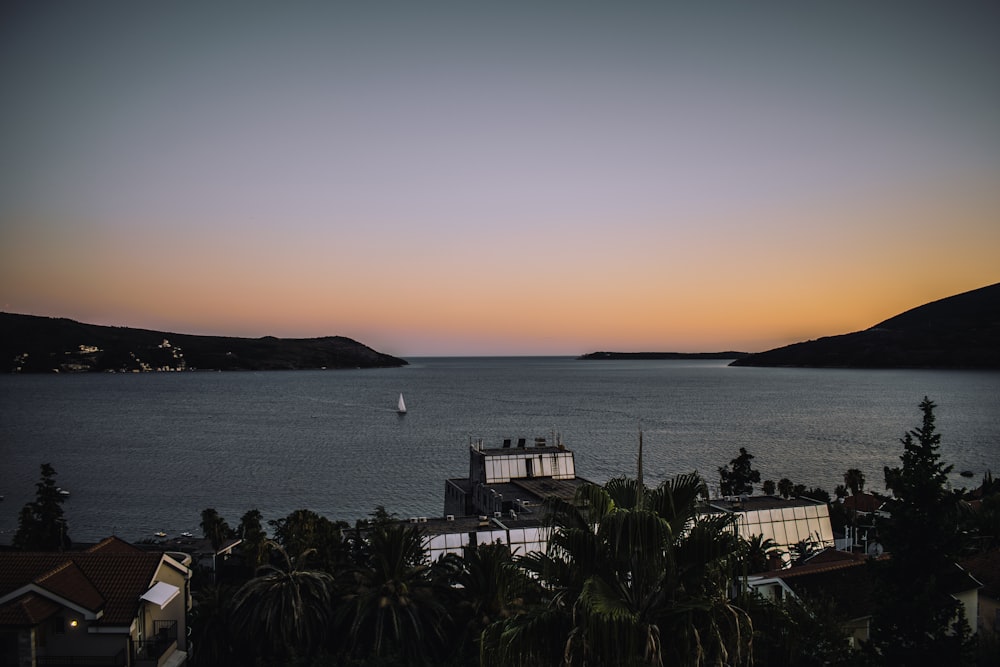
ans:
(160, 594)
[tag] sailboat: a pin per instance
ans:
(401, 408)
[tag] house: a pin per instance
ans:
(111, 604)
(846, 578)
(986, 568)
(861, 534)
(832, 574)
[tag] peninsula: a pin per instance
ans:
(961, 331)
(627, 356)
(33, 344)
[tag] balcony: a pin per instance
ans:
(152, 652)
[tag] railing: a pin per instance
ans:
(149, 651)
(117, 660)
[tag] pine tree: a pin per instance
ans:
(41, 526)
(917, 621)
(741, 478)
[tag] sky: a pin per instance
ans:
(498, 178)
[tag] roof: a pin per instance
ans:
(468, 524)
(27, 610)
(863, 502)
(985, 567)
(754, 503)
(827, 575)
(109, 577)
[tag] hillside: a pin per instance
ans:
(31, 344)
(962, 331)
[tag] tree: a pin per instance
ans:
(253, 539)
(304, 530)
(285, 612)
(758, 554)
(632, 578)
(785, 487)
(741, 478)
(485, 586)
(768, 487)
(817, 493)
(854, 480)
(917, 621)
(214, 527)
(41, 526)
(390, 608)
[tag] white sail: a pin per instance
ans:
(401, 409)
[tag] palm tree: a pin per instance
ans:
(285, 612)
(391, 607)
(785, 487)
(632, 578)
(757, 553)
(854, 480)
(487, 586)
(214, 527)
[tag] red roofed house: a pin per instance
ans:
(845, 576)
(113, 604)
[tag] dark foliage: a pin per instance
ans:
(741, 478)
(41, 526)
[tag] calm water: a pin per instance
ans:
(142, 453)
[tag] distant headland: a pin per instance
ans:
(961, 331)
(660, 355)
(33, 344)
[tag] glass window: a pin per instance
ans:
(779, 533)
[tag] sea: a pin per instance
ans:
(144, 453)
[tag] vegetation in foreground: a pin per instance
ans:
(632, 576)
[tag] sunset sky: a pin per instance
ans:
(510, 177)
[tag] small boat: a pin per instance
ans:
(185, 534)
(62, 492)
(160, 534)
(401, 408)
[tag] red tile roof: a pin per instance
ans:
(27, 610)
(863, 502)
(986, 568)
(111, 576)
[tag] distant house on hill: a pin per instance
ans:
(112, 604)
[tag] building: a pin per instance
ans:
(847, 578)
(507, 485)
(513, 477)
(112, 604)
(786, 521)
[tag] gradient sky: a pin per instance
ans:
(498, 177)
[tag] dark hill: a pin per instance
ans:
(34, 344)
(962, 331)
